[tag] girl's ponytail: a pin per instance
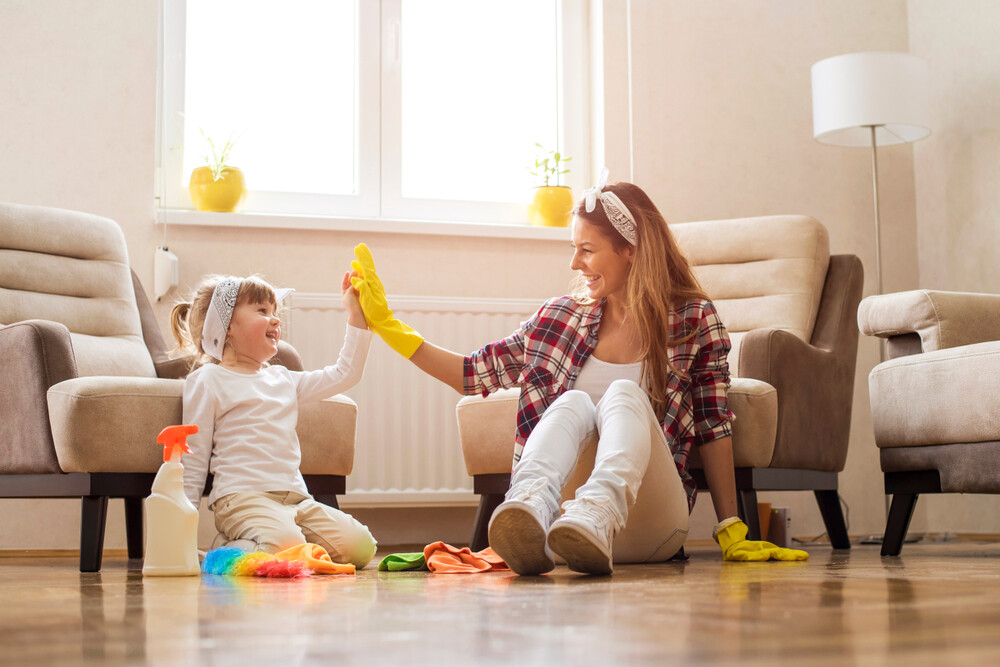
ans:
(179, 328)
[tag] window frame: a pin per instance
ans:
(377, 145)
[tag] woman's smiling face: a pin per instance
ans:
(594, 256)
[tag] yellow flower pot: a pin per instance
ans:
(552, 206)
(225, 195)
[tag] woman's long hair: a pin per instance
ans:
(187, 318)
(660, 281)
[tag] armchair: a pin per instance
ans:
(934, 401)
(88, 384)
(789, 308)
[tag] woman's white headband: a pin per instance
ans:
(220, 314)
(619, 215)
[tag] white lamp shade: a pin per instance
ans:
(855, 91)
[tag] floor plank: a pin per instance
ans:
(936, 603)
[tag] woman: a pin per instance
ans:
(635, 357)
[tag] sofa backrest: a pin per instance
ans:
(73, 268)
(765, 272)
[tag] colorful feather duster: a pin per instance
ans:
(236, 562)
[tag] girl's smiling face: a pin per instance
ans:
(604, 269)
(254, 332)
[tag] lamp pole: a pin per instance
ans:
(878, 234)
(878, 237)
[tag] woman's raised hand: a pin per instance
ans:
(400, 337)
(731, 535)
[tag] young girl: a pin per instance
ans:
(246, 412)
(635, 357)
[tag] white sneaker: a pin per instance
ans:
(517, 533)
(583, 535)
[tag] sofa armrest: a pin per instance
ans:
(174, 369)
(178, 368)
(814, 392)
(814, 380)
(941, 319)
(486, 430)
(34, 355)
(327, 432)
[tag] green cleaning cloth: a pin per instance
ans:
(398, 562)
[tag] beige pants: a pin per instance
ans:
(279, 520)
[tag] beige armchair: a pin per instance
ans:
(934, 402)
(88, 384)
(789, 308)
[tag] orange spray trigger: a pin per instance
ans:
(175, 437)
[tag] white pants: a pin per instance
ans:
(613, 450)
(280, 520)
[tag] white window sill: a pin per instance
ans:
(380, 225)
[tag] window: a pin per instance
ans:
(399, 109)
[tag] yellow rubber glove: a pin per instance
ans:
(397, 335)
(731, 535)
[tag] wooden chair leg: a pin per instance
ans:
(746, 502)
(833, 518)
(133, 526)
(329, 499)
(488, 502)
(94, 512)
(900, 513)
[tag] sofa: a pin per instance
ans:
(934, 404)
(88, 382)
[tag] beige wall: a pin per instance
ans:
(722, 123)
(77, 130)
(957, 175)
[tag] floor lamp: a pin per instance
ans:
(871, 99)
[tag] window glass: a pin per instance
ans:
(479, 89)
(279, 79)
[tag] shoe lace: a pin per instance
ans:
(593, 509)
(527, 492)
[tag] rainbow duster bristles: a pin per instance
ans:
(236, 562)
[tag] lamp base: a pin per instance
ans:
(877, 539)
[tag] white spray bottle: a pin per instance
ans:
(172, 530)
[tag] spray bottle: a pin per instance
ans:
(172, 533)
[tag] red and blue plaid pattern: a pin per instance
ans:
(546, 354)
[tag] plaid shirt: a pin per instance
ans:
(546, 354)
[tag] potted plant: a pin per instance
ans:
(217, 186)
(552, 205)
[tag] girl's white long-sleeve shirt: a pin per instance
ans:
(246, 423)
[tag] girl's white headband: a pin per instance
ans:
(220, 314)
(619, 215)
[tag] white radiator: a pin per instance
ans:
(407, 452)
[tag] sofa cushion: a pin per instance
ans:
(486, 427)
(95, 430)
(939, 397)
(72, 268)
(763, 272)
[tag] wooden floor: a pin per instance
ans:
(937, 604)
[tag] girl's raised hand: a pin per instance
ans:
(349, 297)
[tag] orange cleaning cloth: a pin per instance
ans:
(446, 559)
(316, 559)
